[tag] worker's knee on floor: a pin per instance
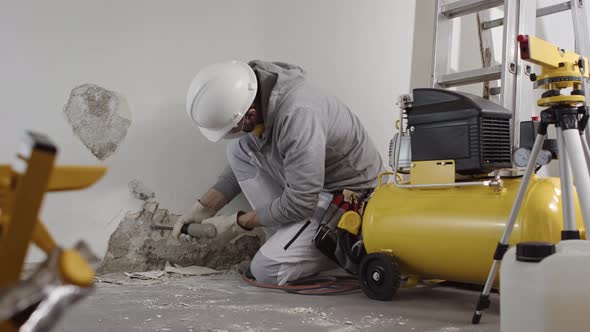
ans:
(265, 270)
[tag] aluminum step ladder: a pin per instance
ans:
(515, 91)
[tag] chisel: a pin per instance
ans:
(194, 230)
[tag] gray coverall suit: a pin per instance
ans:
(312, 145)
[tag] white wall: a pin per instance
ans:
(149, 51)
(359, 51)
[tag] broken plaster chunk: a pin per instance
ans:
(139, 190)
(99, 118)
(147, 275)
(135, 246)
(133, 215)
(159, 216)
(173, 218)
(189, 270)
(150, 207)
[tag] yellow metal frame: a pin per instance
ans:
(74, 177)
(21, 197)
(28, 196)
(60, 178)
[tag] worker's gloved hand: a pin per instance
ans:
(227, 227)
(197, 214)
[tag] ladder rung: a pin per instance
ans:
(557, 8)
(495, 91)
(470, 76)
(465, 7)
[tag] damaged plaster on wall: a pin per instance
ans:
(140, 191)
(99, 118)
(134, 246)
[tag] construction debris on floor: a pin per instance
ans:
(223, 302)
(150, 281)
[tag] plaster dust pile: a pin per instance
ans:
(134, 246)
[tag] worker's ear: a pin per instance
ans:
(251, 115)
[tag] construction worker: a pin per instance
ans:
(295, 146)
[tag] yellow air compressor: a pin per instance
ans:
(446, 220)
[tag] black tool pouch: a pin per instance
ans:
(338, 244)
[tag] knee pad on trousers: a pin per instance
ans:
(265, 270)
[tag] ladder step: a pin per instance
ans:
(470, 76)
(557, 8)
(495, 91)
(465, 7)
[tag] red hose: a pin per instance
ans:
(314, 286)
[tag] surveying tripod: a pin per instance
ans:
(569, 114)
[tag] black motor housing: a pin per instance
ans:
(473, 131)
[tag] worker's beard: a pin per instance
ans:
(248, 127)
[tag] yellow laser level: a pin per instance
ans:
(560, 69)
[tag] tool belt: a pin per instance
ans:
(339, 232)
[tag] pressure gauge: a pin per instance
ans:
(544, 157)
(522, 156)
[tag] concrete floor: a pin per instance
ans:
(226, 303)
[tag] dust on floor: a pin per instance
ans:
(226, 303)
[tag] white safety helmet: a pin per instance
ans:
(219, 97)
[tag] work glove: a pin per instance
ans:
(197, 214)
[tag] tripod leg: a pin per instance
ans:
(484, 298)
(586, 147)
(576, 154)
(567, 191)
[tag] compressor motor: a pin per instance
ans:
(451, 125)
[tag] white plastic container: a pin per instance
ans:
(544, 291)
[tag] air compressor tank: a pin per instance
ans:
(451, 234)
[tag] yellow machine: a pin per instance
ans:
(452, 233)
(22, 187)
(445, 221)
